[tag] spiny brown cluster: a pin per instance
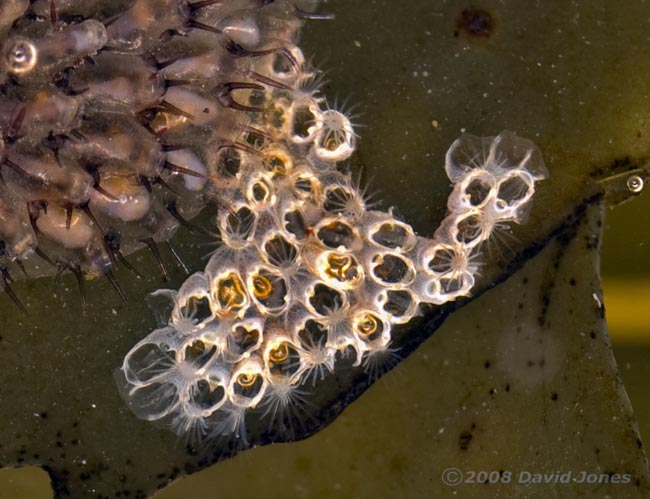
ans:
(112, 113)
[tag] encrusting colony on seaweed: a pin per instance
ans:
(122, 119)
(307, 273)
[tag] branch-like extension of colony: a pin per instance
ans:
(306, 273)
